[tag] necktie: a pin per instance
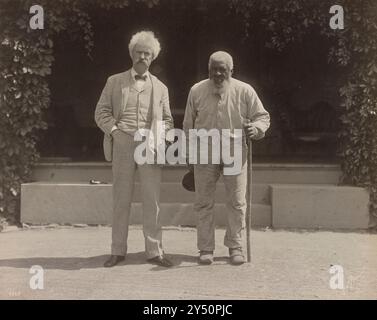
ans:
(139, 77)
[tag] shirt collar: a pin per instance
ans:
(134, 73)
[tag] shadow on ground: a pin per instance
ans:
(77, 263)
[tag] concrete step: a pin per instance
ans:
(174, 192)
(170, 191)
(319, 206)
(292, 205)
(92, 204)
(263, 173)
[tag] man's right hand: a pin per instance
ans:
(250, 130)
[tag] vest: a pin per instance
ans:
(137, 113)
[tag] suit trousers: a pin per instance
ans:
(206, 177)
(124, 168)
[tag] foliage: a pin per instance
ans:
(27, 56)
(355, 48)
(26, 59)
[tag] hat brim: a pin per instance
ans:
(188, 181)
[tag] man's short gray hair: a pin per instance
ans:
(223, 57)
(146, 38)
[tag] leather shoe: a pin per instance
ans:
(161, 261)
(113, 260)
(236, 256)
(206, 257)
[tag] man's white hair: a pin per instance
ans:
(146, 38)
(223, 57)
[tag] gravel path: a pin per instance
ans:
(285, 265)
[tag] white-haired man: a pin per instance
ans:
(222, 102)
(133, 100)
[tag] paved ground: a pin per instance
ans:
(285, 265)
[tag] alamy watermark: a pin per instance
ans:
(337, 20)
(37, 20)
(339, 281)
(195, 146)
(36, 281)
(336, 281)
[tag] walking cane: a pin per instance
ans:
(248, 200)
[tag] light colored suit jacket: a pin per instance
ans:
(114, 98)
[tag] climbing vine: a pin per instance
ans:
(27, 56)
(355, 49)
(26, 60)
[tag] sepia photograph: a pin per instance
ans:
(192, 151)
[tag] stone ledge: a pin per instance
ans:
(261, 192)
(92, 204)
(319, 206)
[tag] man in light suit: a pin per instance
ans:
(134, 100)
